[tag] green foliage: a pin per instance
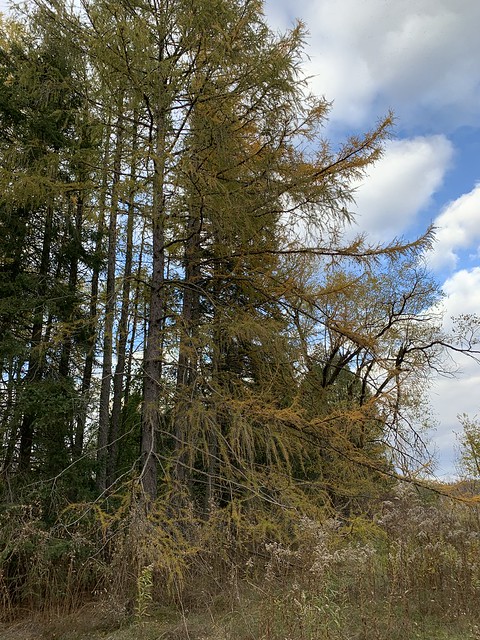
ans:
(144, 593)
(197, 371)
(469, 442)
(44, 569)
(409, 572)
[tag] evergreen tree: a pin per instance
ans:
(172, 222)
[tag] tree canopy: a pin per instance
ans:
(181, 311)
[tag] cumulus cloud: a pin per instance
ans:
(458, 229)
(419, 57)
(452, 397)
(414, 55)
(463, 291)
(449, 399)
(401, 184)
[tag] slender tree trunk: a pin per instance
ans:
(122, 334)
(9, 419)
(135, 320)
(36, 360)
(105, 388)
(187, 356)
(153, 350)
(92, 314)
(213, 486)
(76, 233)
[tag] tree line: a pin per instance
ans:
(180, 305)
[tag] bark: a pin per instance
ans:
(187, 357)
(93, 304)
(105, 388)
(9, 419)
(153, 356)
(36, 359)
(76, 233)
(135, 321)
(122, 335)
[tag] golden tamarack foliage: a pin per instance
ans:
(186, 335)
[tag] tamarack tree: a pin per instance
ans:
(180, 304)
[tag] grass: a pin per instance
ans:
(244, 623)
(410, 572)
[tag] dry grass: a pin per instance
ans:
(410, 572)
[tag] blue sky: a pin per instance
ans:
(419, 58)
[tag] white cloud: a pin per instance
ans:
(419, 57)
(463, 292)
(458, 229)
(401, 184)
(452, 397)
(413, 55)
(449, 399)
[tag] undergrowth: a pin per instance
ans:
(410, 568)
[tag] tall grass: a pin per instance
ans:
(408, 569)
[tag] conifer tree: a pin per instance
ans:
(178, 244)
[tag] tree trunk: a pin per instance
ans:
(36, 360)
(105, 388)
(187, 356)
(92, 313)
(154, 343)
(122, 334)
